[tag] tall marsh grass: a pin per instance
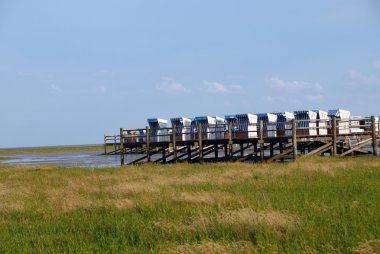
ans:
(319, 205)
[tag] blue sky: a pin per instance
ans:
(71, 71)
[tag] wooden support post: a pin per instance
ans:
(350, 146)
(121, 148)
(341, 147)
(271, 150)
(188, 153)
(281, 155)
(255, 151)
(357, 146)
(230, 142)
(294, 135)
(225, 151)
(164, 155)
(148, 143)
(216, 152)
(320, 150)
(334, 137)
(241, 150)
(378, 134)
(105, 144)
(261, 140)
(114, 143)
(200, 143)
(374, 137)
(174, 143)
(281, 145)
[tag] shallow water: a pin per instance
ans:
(88, 159)
(82, 159)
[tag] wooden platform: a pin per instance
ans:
(199, 149)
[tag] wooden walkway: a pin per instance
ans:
(334, 138)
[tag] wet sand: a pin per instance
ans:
(86, 159)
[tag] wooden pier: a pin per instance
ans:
(335, 137)
(113, 141)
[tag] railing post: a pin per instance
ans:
(174, 143)
(200, 142)
(334, 136)
(147, 143)
(261, 141)
(378, 127)
(230, 142)
(114, 143)
(374, 136)
(294, 139)
(121, 147)
(105, 144)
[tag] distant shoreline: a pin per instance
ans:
(47, 149)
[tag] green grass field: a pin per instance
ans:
(321, 205)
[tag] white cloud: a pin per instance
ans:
(363, 79)
(170, 86)
(314, 97)
(216, 87)
(293, 86)
(296, 93)
(213, 87)
(100, 89)
(235, 88)
(55, 88)
(293, 100)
